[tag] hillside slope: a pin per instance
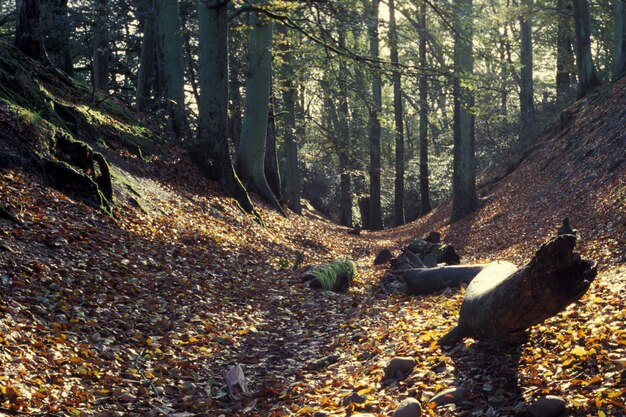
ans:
(142, 310)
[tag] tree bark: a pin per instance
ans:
(501, 305)
(464, 197)
(420, 281)
(212, 149)
(565, 62)
(172, 69)
(250, 156)
(101, 53)
(375, 221)
(425, 206)
(587, 76)
(398, 210)
(28, 30)
(272, 173)
(292, 179)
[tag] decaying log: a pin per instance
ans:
(335, 276)
(501, 306)
(406, 260)
(432, 254)
(420, 281)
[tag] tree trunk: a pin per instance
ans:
(345, 141)
(587, 76)
(398, 205)
(565, 62)
(250, 155)
(420, 281)
(146, 79)
(271, 155)
(292, 179)
(28, 30)
(101, 53)
(527, 107)
(464, 197)
(170, 44)
(376, 220)
(619, 51)
(212, 149)
(57, 33)
(501, 305)
(425, 206)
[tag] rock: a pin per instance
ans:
(449, 396)
(433, 237)
(548, 406)
(353, 398)
(408, 408)
(399, 367)
(383, 257)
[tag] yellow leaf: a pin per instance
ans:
(614, 394)
(601, 413)
(579, 351)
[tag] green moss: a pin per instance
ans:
(334, 276)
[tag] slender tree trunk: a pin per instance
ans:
(587, 76)
(101, 52)
(250, 155)
(345, 148)
(564, 56)
(292, 179)
(28, 30)
(272, 173)
(464, 197)
(147, 60)
(170, 43)
(527, 106)
(191, 71)
(212, 149)
(619, 51)
(398, 209)
(425, 206)
(376, 221)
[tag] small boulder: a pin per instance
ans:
(383, 257)
(408, 408)
(399, 367)
(353, 398)
(548, 406)
(433, 237)
(449, 396)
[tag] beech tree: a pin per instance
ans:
(28, 29)
(101, 54)
(464, 197)
(250, 155)
(587, 76)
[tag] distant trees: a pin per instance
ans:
(587, 75)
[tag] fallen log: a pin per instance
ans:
(501, 306)
(420, 281)
(432, 254)
(335, 276)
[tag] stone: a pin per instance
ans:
(548, 406)
(399, 367)
(353, 398)
(383, 257)
(449, 396)
(408, 408)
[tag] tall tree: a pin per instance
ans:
(212, 148)
(619, 48)
(272, 173)
(172, 69)
(345, 140)
(565, 61)
(425, 206)
(398, 210)
(101, 53)
(464, 197)
(587, 76)
(376, 222)
(527, 106)
(28, 29)
(146, 78)
(292, 179)
(250, 155)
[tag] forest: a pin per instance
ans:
(313, 208)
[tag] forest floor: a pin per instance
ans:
(143, 314)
